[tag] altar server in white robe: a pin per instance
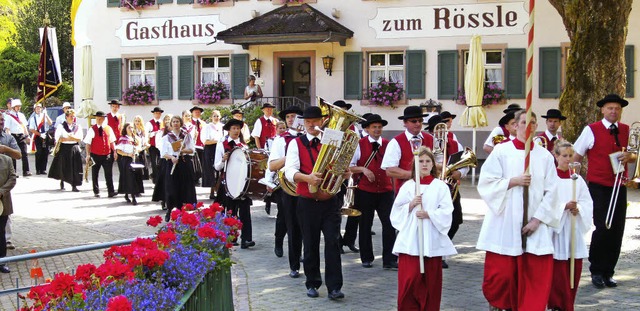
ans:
(515, 278)
(562, 296)
(418, 291)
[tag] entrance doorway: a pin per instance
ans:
(295, 78)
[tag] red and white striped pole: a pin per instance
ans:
(527, 145)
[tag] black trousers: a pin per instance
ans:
(294, 231)
(154, 158)
(370, 203)
(22, 145)
(321, 217)
(281, 224)
(606, 243)
(242, 209)
(3, 240)
(106, 162)
(456, 220)
(42, 154)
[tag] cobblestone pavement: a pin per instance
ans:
(48, 218)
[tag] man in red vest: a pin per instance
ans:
(553, 121)
(316, 216)
(114, 119)
(399, 155)
(264, 130)
(154, 127)
(598, 141)
(100, 146)
(374, 193)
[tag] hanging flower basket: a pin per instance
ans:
(211, 93)
(493, 95)
(139, 94)
(385, 93)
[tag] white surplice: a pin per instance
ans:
(562, 234)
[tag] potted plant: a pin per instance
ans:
(385, 93)
(493, 95)
(211, 93)
(139, 94)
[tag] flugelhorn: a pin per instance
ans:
(440, 144)
(633, 147)
(349, 199)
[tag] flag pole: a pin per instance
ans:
(527, 148)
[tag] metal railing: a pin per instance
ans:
(281, 103)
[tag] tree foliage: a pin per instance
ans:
(7, 26)
(18, 69)
(595, 64)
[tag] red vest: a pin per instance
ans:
(406, 158)
(227, 147)
(550, 144)
(199, 128)
(156, 127)
(288, 137)
(306, 164)
(600, 170)
(452, 145)
(268, 130)
(382, 182)
(100, 144)
(114, 123)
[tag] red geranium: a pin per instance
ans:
(207, 232)
(154, 221)
(175, 214)
(166, 237)
(119, 303)
(188, 207)
(190, 220)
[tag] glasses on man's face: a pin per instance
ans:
(414, 121)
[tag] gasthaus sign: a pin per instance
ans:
(169, 30)
(504, 18)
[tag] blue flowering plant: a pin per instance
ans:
(139, 94)
(385, 93)
(150, 274)
(138, 4)
(211, 93)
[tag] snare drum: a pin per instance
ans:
(243, 170)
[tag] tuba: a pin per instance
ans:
(468, 158)
(498, 139)
(334, 158)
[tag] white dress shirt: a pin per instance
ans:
(211, 131)
(149, 128)
(292, 162)
(91, 134)
(586, 139)
(357, 154)
(393, 153)
(16, 127)
(220, 163)
(61, 132)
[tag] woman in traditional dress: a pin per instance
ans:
(418, 291)
(142, 138)
(130, 181)
(158, 188)
(179, 184)
(67, 161)
(211, 134)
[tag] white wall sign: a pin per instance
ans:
(169, 30)
(504, 18)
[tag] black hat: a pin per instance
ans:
(512, 108)
(157, 109)
(291, 109)
(433, 121)
(99, 114)
(232, 122)
(312, 112)
(506, 118)
(554, 114)
(365, 116)
(267, 105)
(447, 115)
(612, 98)
(412, 112)
(195, 108)
(342, 104)
(236, 111)
(374, 118)
(115, 102)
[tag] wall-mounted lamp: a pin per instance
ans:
(255, 66)
(327, 63)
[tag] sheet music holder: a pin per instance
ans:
(455, 158)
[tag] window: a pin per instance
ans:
(215, 68)
(142, 70)
(388, 66)
(492, 66)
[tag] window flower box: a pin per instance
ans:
(385, 94)
(139, 94)
(211, 93)
(130, 5)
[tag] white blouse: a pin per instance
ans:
(61, 132)
(168, 150)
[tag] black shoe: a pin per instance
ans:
(163, 205)
(373, 233)
(126, 198)
(26, 174)
(134, 202)
(353, 248)
(10, 245)
(112, 194)
(278, 250)
(97, 195)
(5, 269)
(235, 243)
(597, 280)
(267, 208)
(335, 294)
(444, 264)
(74, 189)
(610, 282)
(294, 274)
(247, 244)
(367, 264)
(390, 266)
(312, 292)
(61, 185)
(167, 217)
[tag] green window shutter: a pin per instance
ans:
(416, 73)
(352, 75)
(630, 70)
(239, 74)
(113, 3)
(164, 1)
(550, 63)
(516, 74)
(185, 77)
(164, 77)
(114, 78)
(185, 1)
(447, 74)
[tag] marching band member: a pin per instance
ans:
(316, 216)
(597, 141)
(374, 193)
(196, 112)
(158, 187)
(515, 278)
(155, 127)
(553, 121)
(66, 165)
(562, 296)
(142, 144)
(505, 128)
(246, 134)
(276, 196)
(39, 123)
(194, 132)
(417, 291)
(288, 202)
(240, 207)
(178, 149)
(16, 124)
(264, 130)
(130, 181)
(211, 135)
(100, 145)
(114, 119)
(399, 156)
